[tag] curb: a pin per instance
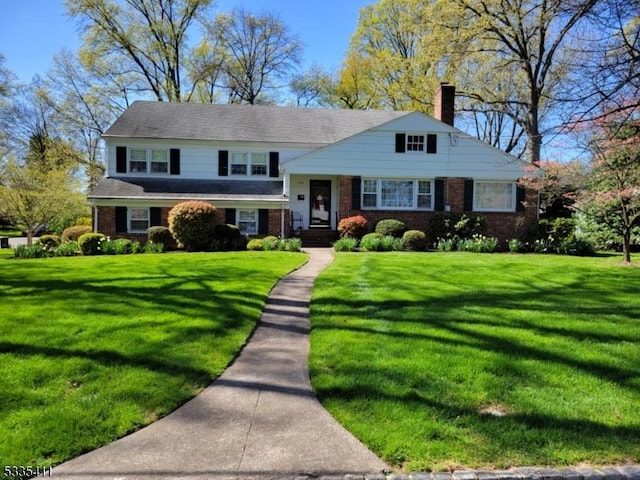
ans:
(623, 472)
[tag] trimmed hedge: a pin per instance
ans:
(72, 234)
(390, 226)
(415, 240)
(192, 225)
(89, 243)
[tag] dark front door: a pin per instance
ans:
(320, 203)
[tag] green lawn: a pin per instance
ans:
(92, 348)
(440, 361)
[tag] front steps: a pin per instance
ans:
(318, 237)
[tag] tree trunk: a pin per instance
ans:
(626, 246)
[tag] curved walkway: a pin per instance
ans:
(259, 419)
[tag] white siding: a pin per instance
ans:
(198, 160)
(372, 153)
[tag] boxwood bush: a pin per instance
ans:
(159, 234)
(89, 243)
(390, 226)
(415, 240)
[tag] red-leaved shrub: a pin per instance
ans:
(354, 227)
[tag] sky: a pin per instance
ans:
(33, 31)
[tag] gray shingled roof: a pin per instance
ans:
(252, 123)
(158, 188)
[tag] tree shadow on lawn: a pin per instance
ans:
(480, 325)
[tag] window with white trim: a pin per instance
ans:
(397, 194)
(149, 160)
(138, 219)
(247, 221)
(245, 163)
(494, 196)
(415, 143)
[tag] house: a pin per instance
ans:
(284, 171)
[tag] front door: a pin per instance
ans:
(320, 203)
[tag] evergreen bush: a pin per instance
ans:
(89, 243)
(390, 226)
(192, 225)
(415, 240)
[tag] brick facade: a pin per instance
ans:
(502, 225)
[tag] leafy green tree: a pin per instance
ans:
(143, 38)
(33, 195)
(612, 193)
(257, 55)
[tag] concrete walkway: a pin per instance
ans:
(260, 419)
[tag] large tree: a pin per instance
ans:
(256, 53)
(146, 38)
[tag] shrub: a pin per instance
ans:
(578, 246)
(515, 245)
(122, 246)
(293, 244)
(89, 243)
(270, 243)
(192, 225)
(478, 244)
(227, 237)
(346, 244)
(31, 251)
(154, 248)
(446, 244)
(415, 240)
(108, 247)
(255, 244)
(446, 225)
(354, 227)
(49, 242)
(392, 227)
(67, 249)
(398, 245)
(159, 234)
(72, 234)
(371, 242)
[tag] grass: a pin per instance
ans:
(443, 361)
(92, 348)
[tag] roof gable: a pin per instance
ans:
(245, 123)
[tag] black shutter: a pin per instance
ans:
(438, 201)
(121, 160)
(274, 164)
(155, 219)
(356, 191)
(520, 197)
(230, 216)
(174, 164)
(432, 143)
(121, 220)
(400, 142)
(263, 221)
(468, 195)
(223, 163)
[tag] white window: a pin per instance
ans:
(138, 219)
(247, 221)
(245, 163)
(415, 143)
(149, 160)
(397, 194)
(258, 164)
(494, 196)
(238, 163)
(138, 160)
(159, 161)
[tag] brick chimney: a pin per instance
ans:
(443, 103)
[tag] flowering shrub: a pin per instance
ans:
(49, 242)
(479, 244)
(354, 227)
(192, 225)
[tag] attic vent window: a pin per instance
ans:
(415, 143)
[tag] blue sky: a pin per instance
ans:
(33, 31)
